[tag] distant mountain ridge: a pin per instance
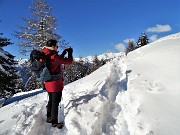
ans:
(104, 56)
(89, 59)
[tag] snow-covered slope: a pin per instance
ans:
(89, 106)
(139, 95)
(151, 104)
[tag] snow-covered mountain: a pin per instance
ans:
(22, 66)
(104, 56)
(21, 61)
(134, 95)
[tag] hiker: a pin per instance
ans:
(54, 86)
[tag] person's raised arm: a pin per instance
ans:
(68, 60)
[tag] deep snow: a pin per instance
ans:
(134, 95)
(153, 95)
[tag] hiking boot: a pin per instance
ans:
(49, 120)
(58, 125)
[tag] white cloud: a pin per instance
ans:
(159, 28)
(153, 37)
(121, 47)
(127, 40)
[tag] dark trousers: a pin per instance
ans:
(52, 106)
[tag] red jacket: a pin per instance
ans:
(54, 63)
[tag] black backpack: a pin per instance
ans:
(38, 61)
(39, 69)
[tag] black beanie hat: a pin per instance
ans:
(51, 42)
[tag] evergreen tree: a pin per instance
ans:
(130, 47)
(40, 28)
(143, 40)
(8, 73)
(103, 61)
(79, 69)
(74, 72)
(139, 43)
(4, 41)
(82, 67)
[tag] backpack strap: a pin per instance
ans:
(56, 77)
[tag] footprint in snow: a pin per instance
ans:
(152, 85)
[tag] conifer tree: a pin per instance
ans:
(40, 28)
(143, 40)
(34, 35)
(139, 43)
(8, 76)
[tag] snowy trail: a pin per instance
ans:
(85, 118)
(80, 108)
(109, 109)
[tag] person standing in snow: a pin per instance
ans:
(55, 86)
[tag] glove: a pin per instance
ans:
(70, 50)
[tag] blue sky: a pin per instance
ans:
(97, 26)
